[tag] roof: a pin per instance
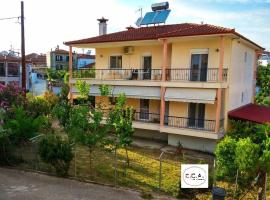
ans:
(62, 51)
(86, 56)
(90, 65)
(251, 112)
(11, 59)
(36, 59)
(162, 31)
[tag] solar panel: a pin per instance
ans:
(161, 16)
(155, 17)
(148, 18)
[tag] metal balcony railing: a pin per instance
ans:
(147, 117)
(190, 123)
(187, 74)
(118, 74)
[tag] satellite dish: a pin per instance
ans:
(138, 22)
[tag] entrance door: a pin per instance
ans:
(147, 66)
(196, 113)
(144, 109)
(199, 63)
(166, 120)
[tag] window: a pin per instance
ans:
(58, 58)
(115, 62)
(2, 69)
(245, 57)
(67, 58)
(13, 69)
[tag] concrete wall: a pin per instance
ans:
(134, 60)
(200, 144)
(181, 52)
(154, 135)
(240, 75)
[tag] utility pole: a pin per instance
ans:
(23, 48)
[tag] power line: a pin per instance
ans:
(7, 18)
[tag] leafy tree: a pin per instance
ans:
(120, 118)
(86, 128)
(62, 112)
(22, 126)
(246, 155)
(105, 90)
(83, 89)
(246, 149)
(57, 152)
(225, 154)
(263, 82)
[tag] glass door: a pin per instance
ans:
(196, 115)
(147, 66)
(199, 64)
(144, 109)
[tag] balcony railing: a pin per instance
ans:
(147, 117)
(187, 74)
(118, 74)
(190, 123)
(173, 121)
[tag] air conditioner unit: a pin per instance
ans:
(128, 50)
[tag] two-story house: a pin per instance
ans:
(58, 59)
(10, 70)
(181, 79)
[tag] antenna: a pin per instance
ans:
(138, 21)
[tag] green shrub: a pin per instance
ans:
(56, 152)
(21, 126)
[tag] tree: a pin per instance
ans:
(246, 149)
(57, 152)
(120, 118)
(263, 82)
(83, 89)
(86, 128)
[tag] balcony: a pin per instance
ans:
(191, 123)
(176, 74)
(187, 74)
(118, 74)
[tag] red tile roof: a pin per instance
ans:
(251, 112)
(86, 56)
(156, 32)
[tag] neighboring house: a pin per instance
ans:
(264, 60)
(38, 60)
(10, 70)
(59, 59)
(85, 60)
(181, 79)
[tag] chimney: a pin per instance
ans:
(102, 26)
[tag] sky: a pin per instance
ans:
(49, 23)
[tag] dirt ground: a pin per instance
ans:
(20, 185)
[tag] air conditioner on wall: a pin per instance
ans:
(128, 50)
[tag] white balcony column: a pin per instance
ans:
(70, 66)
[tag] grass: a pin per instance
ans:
(142, 172)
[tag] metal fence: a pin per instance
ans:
(140, 171)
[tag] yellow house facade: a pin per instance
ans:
(181, 79)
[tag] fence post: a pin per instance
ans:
(115, 167)
(160, 170)
(75, 164)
